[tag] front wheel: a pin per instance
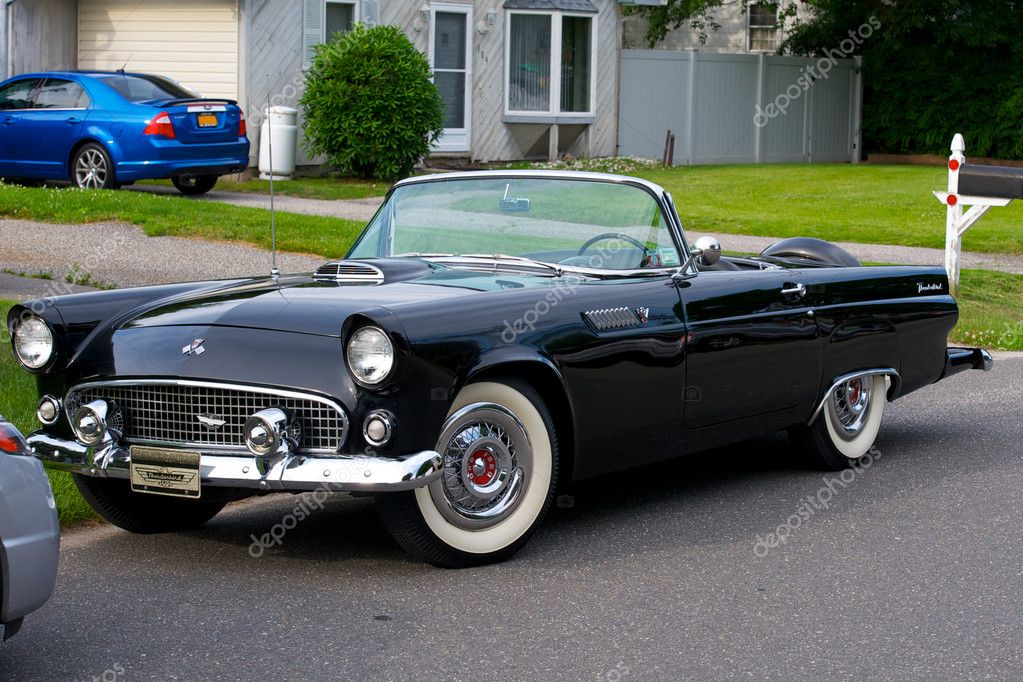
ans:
(115, 501)
(91, 168)
(194, 185)
(500, 453)
(845, 428)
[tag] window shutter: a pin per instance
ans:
(370, 12)
(312, 29)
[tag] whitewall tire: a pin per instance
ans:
(848, 423)
(500, 467)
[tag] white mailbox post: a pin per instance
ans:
(958, 222)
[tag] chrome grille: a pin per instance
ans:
(349, 272)
(167, 412)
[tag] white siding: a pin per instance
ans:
(195, 42)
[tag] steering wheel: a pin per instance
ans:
(612, 235)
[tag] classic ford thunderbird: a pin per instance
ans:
(488, 336)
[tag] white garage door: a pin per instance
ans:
(195, 42)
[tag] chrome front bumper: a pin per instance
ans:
(292, 472)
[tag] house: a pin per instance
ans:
(520, 78)
(744, 27)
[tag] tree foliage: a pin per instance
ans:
(934, 68)
(698, 15)
(370, 105)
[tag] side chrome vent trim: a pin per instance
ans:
(349, 272)
(612, 318)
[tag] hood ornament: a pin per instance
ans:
(194, 349)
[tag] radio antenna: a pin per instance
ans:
(274, 272)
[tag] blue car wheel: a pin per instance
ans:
(194, 185)
(91, 168)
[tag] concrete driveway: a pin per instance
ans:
(912, 571)
(123, 255)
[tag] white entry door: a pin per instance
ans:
(451, 59)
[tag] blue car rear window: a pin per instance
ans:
(137, 88)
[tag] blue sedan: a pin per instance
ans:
(101, 130)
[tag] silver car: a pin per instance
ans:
(29, 532)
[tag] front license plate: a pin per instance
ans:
(207, 120)
(165, 472)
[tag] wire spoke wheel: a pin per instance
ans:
(849, 406)
(847, 424)
(499, 451)
(487, 464)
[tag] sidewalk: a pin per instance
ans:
(363, 209)
(122, 255)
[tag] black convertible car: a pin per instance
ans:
(488, 335)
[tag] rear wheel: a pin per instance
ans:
(194, 185)
(115, 501)
(91, 168)
(500, 454)
(845, 429)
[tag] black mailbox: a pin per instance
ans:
(1003, 182)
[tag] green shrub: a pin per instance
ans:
(370, 106)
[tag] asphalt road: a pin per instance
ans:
(912, 571)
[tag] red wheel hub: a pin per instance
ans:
(482, 467)
(854, 393)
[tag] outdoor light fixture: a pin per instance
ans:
(422, 19)
(484, 26)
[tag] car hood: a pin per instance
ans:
(304, 304)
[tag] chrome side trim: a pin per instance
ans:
(264, 390)
(881, 371)
(294, 472)
(612, 318)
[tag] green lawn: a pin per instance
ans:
(329, 188)
(990, 309)
(866, 203)
(18, 404)
(170, 215)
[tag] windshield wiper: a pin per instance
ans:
(557, 269)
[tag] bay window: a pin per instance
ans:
(549, 61)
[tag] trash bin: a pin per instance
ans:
(279, 127)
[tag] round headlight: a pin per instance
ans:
(370, 355)
(33, 343)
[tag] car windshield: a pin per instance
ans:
(143, 88)
(583, 223)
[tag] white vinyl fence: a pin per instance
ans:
(738, 108)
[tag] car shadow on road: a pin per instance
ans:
(733, 483)
(719, 497)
